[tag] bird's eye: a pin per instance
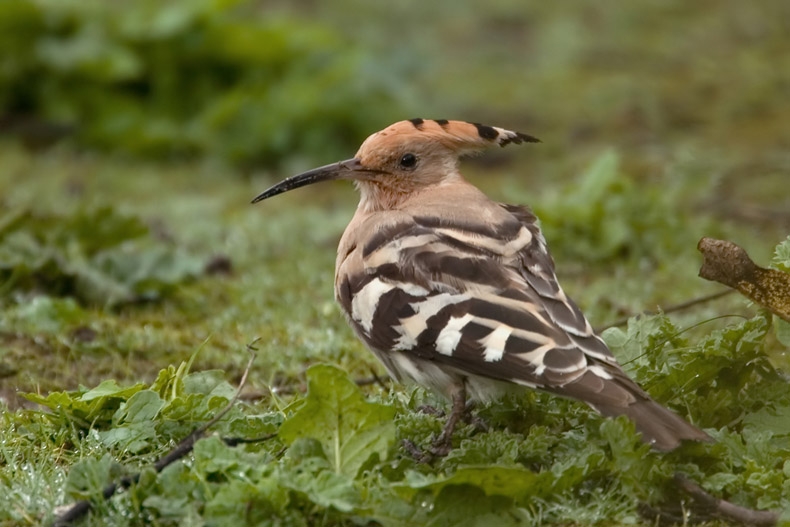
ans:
(408, 161)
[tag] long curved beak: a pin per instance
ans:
(348, 169)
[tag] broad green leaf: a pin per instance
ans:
(242, 502)
(175, 493)
(513, 482)
(95, 406)
(87, 478)
(781, 258)
(43, 314)
(598, 177)
(96, 255)
(335, 413)
(209, 382)
(771, 418)
(456, 505)
(111, 388)
(213, 457)
(316, 479)
(131, 427)
(146, 270)
(782, 329)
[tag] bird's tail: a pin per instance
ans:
(660, 427)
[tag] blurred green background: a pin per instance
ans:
(257, 83)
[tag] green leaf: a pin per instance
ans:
(145, 271)
(335, 413)
(782, 330)
(43, 314)
(641, 346)
(771, 418)
(598, 177)
(131, 427)
(316, 479)
(209, 382)
(110, 388)
(95, 406)
(216, 459)
(458, 505)
(514, 482)
(240, 502)
(87, 478)
(95, 255)
(781, 258)
(246, 102)
(174, 493)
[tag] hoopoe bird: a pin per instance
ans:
(458, 292)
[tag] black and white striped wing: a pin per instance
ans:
(481, 300)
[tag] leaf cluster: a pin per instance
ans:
(97, 256)
(609, 213)
(726, 381)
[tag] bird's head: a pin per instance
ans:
(404, 158)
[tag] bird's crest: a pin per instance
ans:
(459, 137)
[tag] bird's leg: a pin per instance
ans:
(427, 409)
(442, 445)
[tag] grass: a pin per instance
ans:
(672, 113)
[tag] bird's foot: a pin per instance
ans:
(419, 455)
(477, 422)
(427, 409)
(469, 417)
(440, 447)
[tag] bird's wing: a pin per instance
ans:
(481, 298)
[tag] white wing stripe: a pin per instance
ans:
(495, 343)
(537, 358)
(488, 243)
(363, 306)
(410, 328)
(451, 334)
(392, 252)
(600, 372)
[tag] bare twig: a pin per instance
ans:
(724, 509)
(670, 309)
(233, 441)
(81, 508)
(703, 508)
(376, 379)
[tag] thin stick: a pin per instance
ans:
(376, 379)
(81, 508)
(671, 309)
(724, 509)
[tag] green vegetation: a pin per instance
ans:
(134, 272)
(191, 77)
